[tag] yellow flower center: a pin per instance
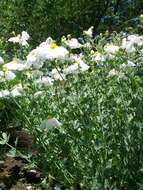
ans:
(53, 45)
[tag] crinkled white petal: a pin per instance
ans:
(72, 69)
(14, 39)
(15, 67)
(21, 39)
(78, 67)
(15, 92)
(89, 32)
(129, 43)
(73, 43)
(25, 36)
(111, 48)
(9, 75)
(4, 93)
(98, 57)
(50, 123)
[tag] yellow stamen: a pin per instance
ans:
(53, 45)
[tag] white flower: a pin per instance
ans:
(21, 39)
(56, 75)
(98, 57)
(77, 67)
(50, 123)
(112, 73)
(128, 46)
(135, 39)
(73, 43)
(4, 93)
(129, 64)
(54, 52)
(110, 48)
(15, 39)
(129, 43)
(87, 45)
(25, 36)
(9, 75)
(45, 52)
(18, 87)
(34, 60)
(15, 65)
(1, 74)
(72, 69)
(15, 92)
(83, 66)
(2, 79)
(32, 56)
(45, 80)
(1, 60)
(89, 32)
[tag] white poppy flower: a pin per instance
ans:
(112, 73)
(21, 39)
(15, 65)
(129, 43)
(15, 92)
(34, 60)
(98, 57)
(50, 123)
(4, 93)
(15, 39)
(25, 36)
(57, 52)
(1, 60)
(135, 39)
(77, 67)
(83, 66)
(9, 75)
(89, 32)
(1, 74)
(110, 48)
(73, 43)
(51, 52)
(45, 52)
(131, 64)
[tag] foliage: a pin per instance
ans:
(99, 101)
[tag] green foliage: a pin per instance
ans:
(99, 145)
